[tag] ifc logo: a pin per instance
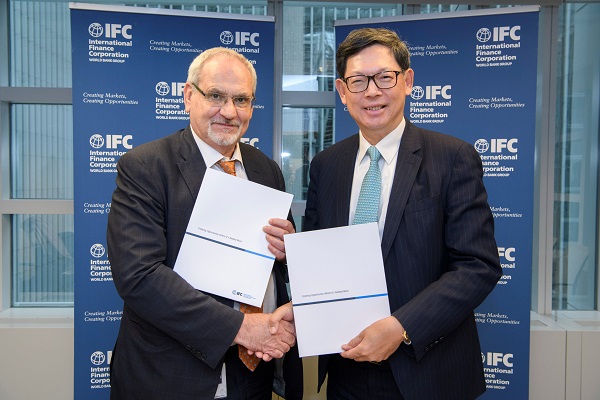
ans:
(96, 141)
(226, 37)
(481, 145)
(97, 250)
(417, 93)
(95, 30)
(483, 35)
(162, 88)
(98, 358)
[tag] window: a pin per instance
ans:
(41, 154)
(42, 260)
(306, 132)
(309, 40)
(575, 238)
(40, 171)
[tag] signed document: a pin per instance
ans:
(224, 250)
(338, 285)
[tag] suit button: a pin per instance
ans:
(203, 357)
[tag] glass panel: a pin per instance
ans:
(228, 7)
(306, 131)
(575, 268)
(42, 254)
(41, 151)
(438, 8)
(40, 44)
(309, 40)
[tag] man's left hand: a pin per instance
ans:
(275, 231)
(376, 342)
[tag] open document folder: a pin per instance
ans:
(338, 285)
(224, 250)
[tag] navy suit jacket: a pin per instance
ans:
(172, 337)
(440, 255)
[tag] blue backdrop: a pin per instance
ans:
(129, 68)
(475, 78)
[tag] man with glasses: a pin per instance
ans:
(436, 230)
(176, 342)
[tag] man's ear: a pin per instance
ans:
(188, 90)
(409, 80)
(341, 88)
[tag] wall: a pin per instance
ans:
(565, 356)
(36, 356)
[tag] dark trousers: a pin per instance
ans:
(352, 380)
(243, 384)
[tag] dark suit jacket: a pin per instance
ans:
(172, 338)
(439, 252)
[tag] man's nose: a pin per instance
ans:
(228, 109)
(372, 88)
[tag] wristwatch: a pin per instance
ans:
(406, 338)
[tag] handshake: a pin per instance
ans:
(268, 336)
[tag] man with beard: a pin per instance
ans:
(173, 339)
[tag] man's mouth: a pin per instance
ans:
(228, 124)
(374, 108)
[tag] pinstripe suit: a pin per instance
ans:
(439, 252)
(172, 338)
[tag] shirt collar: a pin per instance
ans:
(388, 146)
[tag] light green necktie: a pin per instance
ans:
(367, 208)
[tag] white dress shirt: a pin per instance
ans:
(388, 147)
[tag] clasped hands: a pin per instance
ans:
(268, 336)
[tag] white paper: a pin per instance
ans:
(224, 250)
(338, 286)
(221, 392)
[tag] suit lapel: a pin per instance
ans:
(251, 166)
(340, 188)
(345, 174)
(191, 164)
(407, 167)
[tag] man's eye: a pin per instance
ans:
(357, 80)
(240, 100)
(215, 96)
